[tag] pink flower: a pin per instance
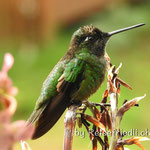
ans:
(6, 86)
(10, 133)
(25, 145)
(9, 104)
(8, 62)
(7, 91)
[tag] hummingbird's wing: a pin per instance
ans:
(52, 108)
(48, 91)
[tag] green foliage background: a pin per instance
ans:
(132, 48)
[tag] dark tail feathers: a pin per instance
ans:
(50, 115)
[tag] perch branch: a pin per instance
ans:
(113, 94)
(70, 122)
(115, 121)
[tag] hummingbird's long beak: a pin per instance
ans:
(125, 29)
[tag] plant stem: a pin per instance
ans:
(115, 121)
(70, 122)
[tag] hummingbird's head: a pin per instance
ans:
(90, 38)
(93, 39)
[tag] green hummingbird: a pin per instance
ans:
(78, 74)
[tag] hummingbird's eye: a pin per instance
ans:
(88, 38)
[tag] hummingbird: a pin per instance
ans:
(78, 75)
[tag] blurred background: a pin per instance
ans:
(38, 32)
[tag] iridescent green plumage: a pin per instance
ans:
(75, 78)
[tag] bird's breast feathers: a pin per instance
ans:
(92, 76)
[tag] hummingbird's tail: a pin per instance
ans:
(47, 117)
(35, 115)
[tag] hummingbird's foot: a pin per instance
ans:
(83, 108)
(91, 104)
(77, 103)
(86, 104)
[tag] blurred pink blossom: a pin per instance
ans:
(6, 86)
(9, 104)
(10, 133)
(25, 145)
(8, 62)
